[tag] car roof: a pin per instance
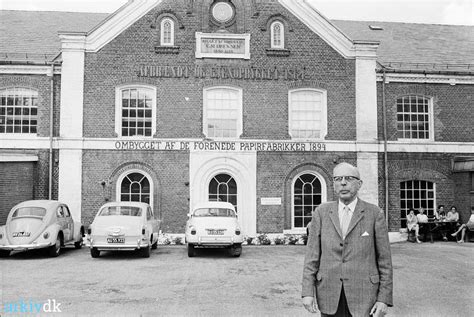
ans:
(214, 204)
(126, 203)
(38, 203)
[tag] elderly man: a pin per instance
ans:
(348, 264)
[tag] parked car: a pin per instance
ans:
(213, 225)
(124, 226)
(37, 224)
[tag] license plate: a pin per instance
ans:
(21, 234)
(215, 232)
(115, 240)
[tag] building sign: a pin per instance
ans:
(258, 146)
(224, 72)
(270, 201)
(222, 45)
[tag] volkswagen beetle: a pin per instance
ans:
(213, 225)
(124, 226)
(37, 224)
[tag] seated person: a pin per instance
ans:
(440, 214)
(422, 218)
(469, 225)
(453, 214)
(412, 224)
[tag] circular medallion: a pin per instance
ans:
(222, 12)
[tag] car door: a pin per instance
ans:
(69, 224)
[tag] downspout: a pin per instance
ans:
(385, 152)
(51, 130)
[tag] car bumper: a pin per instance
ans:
(25, 247)
(210, 241)
(140, 244)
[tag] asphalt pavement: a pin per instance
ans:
(429, 280)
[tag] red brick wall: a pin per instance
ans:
(452, 105)
(169, 172)
(16, 185)
(265, 113)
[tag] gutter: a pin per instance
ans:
(385, 141)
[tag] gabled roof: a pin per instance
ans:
(418, 46)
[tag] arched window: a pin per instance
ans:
(307, 114)
(416, 194)
(277, 35)
(223, 187)
(167, 32)
(135, 113)
(135, 186)
(18, 110)
(222, 112)
(307, 195)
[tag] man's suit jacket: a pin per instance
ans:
(362, 263)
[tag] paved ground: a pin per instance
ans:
(430, 280)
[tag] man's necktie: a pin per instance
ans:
(346, 219)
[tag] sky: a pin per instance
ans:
(460, 12)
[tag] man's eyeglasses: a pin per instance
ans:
(348, 179)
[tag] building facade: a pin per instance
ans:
(252, 102)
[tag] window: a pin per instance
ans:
(135, 187)
(222, 112)
(18, 111)
(135, 111)
(307, 195)
(307, 114)
(414, 118)
(416, 194)
(223, 187)
(277, 35)
(167, 32)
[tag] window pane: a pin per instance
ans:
(304, 204)
(413, 117)
(305, 113)
(223, 105)
(18, 110)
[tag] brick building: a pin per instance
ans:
(252, 102)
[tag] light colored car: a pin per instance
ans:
(37, 224)
(124, 226)
(214, 225)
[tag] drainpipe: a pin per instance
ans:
(385, 153)
(51, 130)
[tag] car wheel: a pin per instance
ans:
(154, 246)
(95, 253)
(145, 252)
(4, 253)
(55, 249)
(79, 244)
(236, 250)
(191, 250)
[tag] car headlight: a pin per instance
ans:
(237, 231)
(192, 230)
(46, 235)
(1, 236)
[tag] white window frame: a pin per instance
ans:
(118, 185)
(239, 127)
(118, 109)
(162, 32)
(323, 196)
(282, 35)
(430, 118)
(412, 199)
(21, 135)
(324, 119)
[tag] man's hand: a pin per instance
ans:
(310, 304)
(379, 309)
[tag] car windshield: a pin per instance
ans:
(214, 212)
(121, 211)
(29, 212)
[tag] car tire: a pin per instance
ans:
(154, 246)
(95, 253)
(4, 253)
(236, 250)
(79, 244)
(145, 252)
(55, 249)
(191, 250)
